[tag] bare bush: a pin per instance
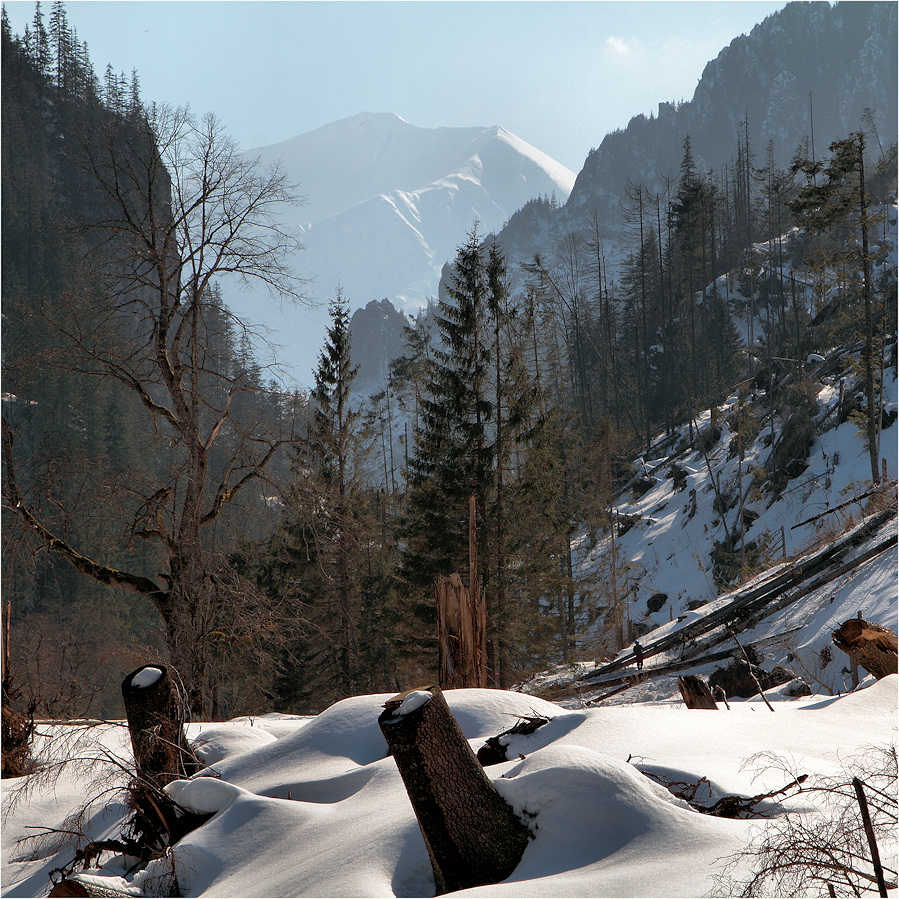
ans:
(802, 854)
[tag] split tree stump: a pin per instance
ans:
(156, 716)
(695, 692)
(472, 834)
(870, 645)
(461, 634)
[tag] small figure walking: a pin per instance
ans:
(638, 654)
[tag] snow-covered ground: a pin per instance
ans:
(318, 808)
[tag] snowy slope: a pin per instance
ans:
(386, 205)
(665, 556)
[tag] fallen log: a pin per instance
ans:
(472, 835)
(870, 645)
(496, 750)
(695, 692)
(749, 605)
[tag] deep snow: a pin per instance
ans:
(317, 808)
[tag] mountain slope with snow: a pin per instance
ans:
(386, 205)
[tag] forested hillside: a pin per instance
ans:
(281, 549)
(96, 424)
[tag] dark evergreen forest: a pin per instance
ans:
(165, 498)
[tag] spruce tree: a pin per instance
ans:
(475, 419)
(452, 458)
(329, 454)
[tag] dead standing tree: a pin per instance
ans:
(462, 621)
(175, 206)
(461, 635)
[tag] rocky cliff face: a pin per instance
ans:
(376, 332)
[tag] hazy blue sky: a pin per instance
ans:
(558, 74)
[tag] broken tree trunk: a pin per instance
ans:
(156, 712)
(695, 692)
(472, 834)
(461, 634)
(870, 645)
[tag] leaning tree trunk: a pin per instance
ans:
(695, 692)
(156, 712)
(472, 835)
(870, 645)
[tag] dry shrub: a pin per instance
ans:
(808, 853)
(16, 737)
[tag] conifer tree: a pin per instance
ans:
(840, 200)
(329, 455)
(41, 43)
(475, 417)
(452, 458)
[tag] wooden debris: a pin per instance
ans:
(495, 751)
(870, 645)
(726, 806)
(695, 692)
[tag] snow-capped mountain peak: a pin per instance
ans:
(386, 205)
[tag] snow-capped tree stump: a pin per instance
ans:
(156, 712)
(695, 692)
(472, 834)
(870, 645)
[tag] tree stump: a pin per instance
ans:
(870, 645)
(695, 692)
(472, 834)
(156, 715)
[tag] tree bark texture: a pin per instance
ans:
(461, 634)
(156, 715)
(72, 887)
(870, 645)
(472, 834)
(695, 692)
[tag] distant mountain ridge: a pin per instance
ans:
(809, 58)
(386, 204)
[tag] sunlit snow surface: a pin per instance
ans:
(317, 808)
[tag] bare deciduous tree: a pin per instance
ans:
(169, 207)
